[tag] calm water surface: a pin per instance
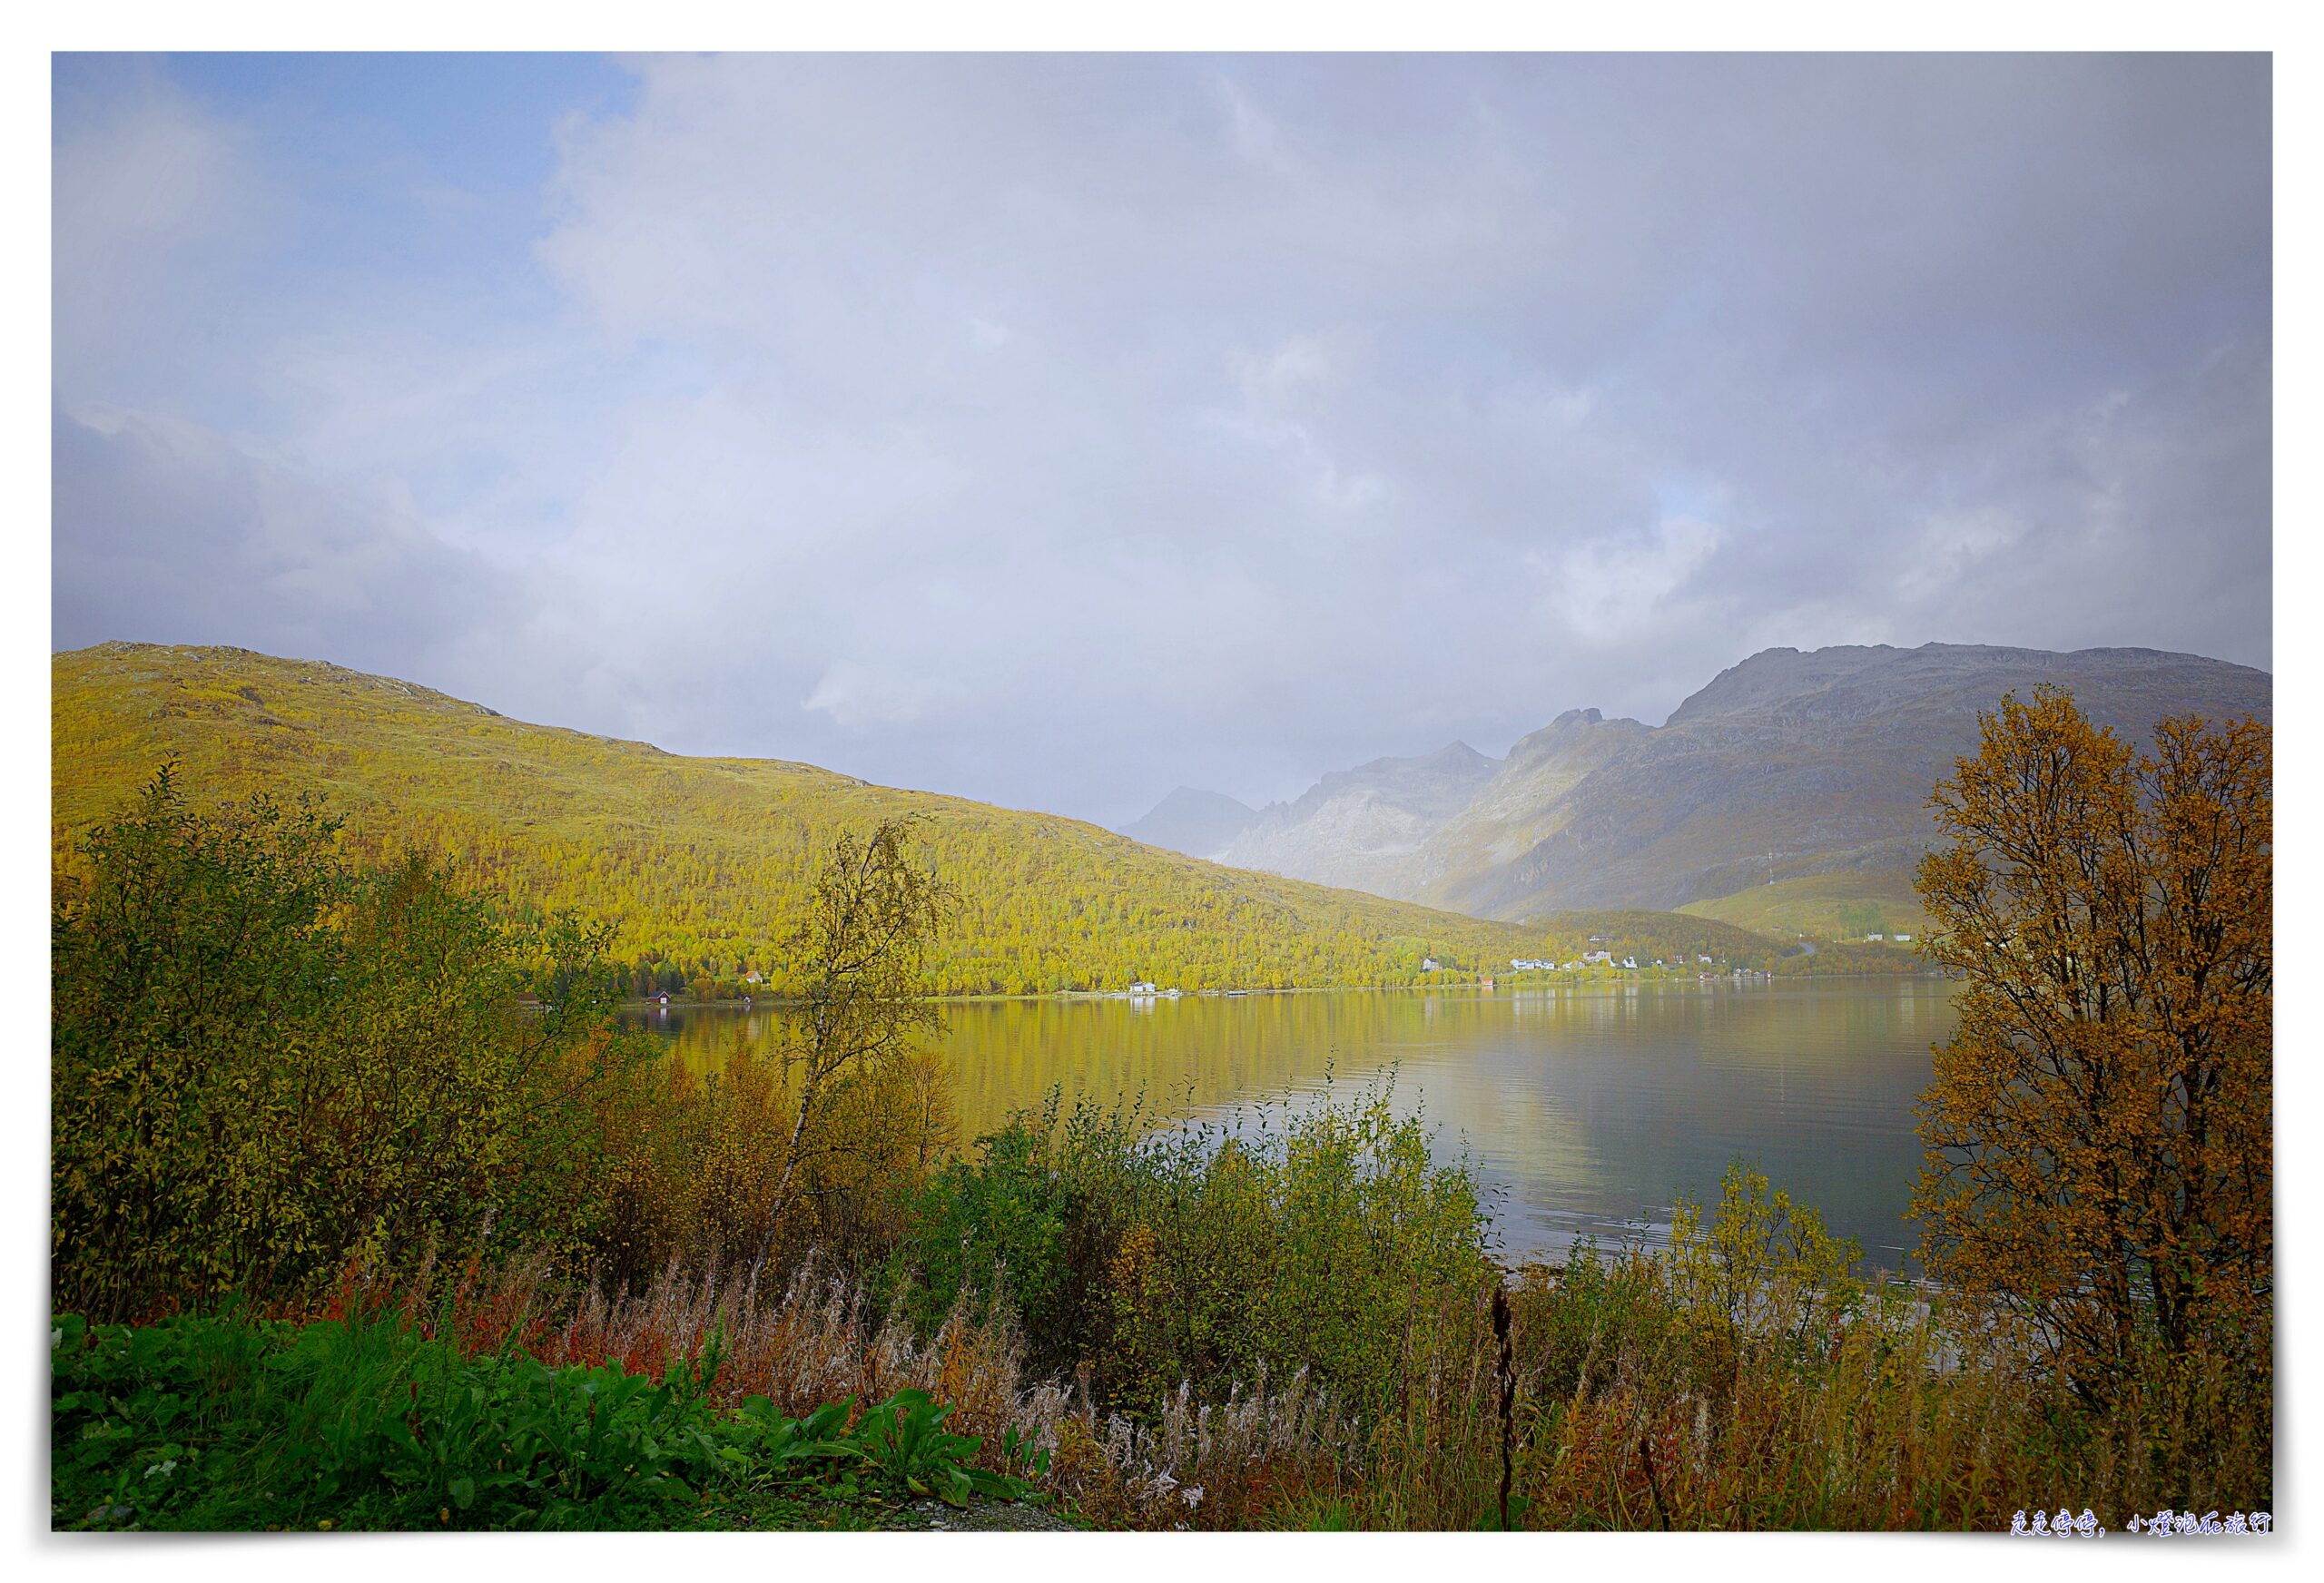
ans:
(1583, 1111)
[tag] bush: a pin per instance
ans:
(1744, 1379)
(1326, 1242)
(263, 1058)
(1758, 1280)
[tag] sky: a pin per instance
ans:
(1057, 430)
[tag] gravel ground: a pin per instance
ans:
(983, 1517)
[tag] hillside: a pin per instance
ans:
(701, 861)
(1791, 793)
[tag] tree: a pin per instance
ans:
(2099, 1134)
(863, 951)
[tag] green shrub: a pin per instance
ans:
(264, 1059)
(1032, 1224)
(1759, 1280)
(1323, 1240)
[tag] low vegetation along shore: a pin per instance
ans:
(368, 1214)
(1622, 1389)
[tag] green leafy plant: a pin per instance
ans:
(364, 1422)
(904, 1438)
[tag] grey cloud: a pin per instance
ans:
(167, 532)
(1059, 430)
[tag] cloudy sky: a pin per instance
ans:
(1058, 430)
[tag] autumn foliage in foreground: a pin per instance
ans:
(353, 1155)
(2101, 1130)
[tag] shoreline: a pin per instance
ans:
(1694, 986)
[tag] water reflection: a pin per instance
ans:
(1584, 1112)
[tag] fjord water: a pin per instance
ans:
(1585, 1110)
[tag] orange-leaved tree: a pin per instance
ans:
(2099, 1134)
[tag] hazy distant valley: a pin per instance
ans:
(1789, 793)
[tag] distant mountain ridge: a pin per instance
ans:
(1362, 826)
(1791, 788)
(1196, 823)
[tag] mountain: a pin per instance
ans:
(1197, 824)
(1363, 827)
(705, 862)
(1790, 792)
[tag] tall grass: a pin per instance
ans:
(825, 1336)
(1832, 1404)
(1274, 1334)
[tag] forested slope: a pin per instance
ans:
(701, 863)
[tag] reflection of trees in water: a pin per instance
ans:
(1589, 1110)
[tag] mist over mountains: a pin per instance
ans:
(1792, 789)
(1193, 822)
(1362, 827)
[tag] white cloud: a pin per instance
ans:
(1254, 135)
(862, 695)
(1286, 392)
(1294, 369)
(1548, 412)
(174, 533)
(1953, 545)
(1619, 589)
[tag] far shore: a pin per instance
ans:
(1698, 985)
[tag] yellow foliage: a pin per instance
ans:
(706, 864)
(2099, 1131)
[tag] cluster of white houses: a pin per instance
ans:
(1591, 959)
